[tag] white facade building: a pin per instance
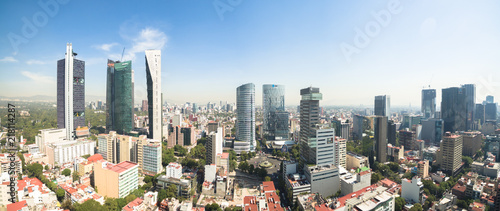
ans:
(153, 75)
(210, 172)
(67, 151)
(174, 170)
(411, 190)
(48, 136)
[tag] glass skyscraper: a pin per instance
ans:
(383, 105)
(120, 97)
(245, 126)
(470, 105)
(428, 103)
(454, 109)
(70, 92)
(275, 117)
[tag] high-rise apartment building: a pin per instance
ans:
(70, 93)
(153, 76)
(428, 103)
(145, 152)
(214, 146)
(472, 142)
(116, 180)
(120, 97)
(245, 125)
(380, 129)
(340, 152)
(454, 109)
(451, 153)
(275, 117)
(383, 106)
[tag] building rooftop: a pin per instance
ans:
(121, 167)
(133, 204)
(95, 158)
(17, 206)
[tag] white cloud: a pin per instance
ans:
(32, 61)
(8, 59)
(105, 47)
(38, 77)
(148, 38)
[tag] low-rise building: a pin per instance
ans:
(355, 161)
(174, 170)
(81, 193)
(412, 190)
(352, 182)
(146, 203)
(116, 180)
(445, 203)
(183, 185)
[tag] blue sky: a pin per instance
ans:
(206, 54)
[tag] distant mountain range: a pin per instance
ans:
(46, 98)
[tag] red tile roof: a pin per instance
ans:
(121, 167)
(268, 186)
(95, 158)
(17, 206)
(130, 206)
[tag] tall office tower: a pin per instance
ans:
(454, 109)
(451, 153)
(391, 132)
(275, 116)
(70, 93)
(120, 97)
(432, 131)
(470, 104)
(480, 114)
(428, 103)
(380, 126)
(195, 108)
(357, 127)
(245, 125)
(309, 119)
(153, 75)
(383, 105)
(490, 99)
(490, 112)
(345, 129)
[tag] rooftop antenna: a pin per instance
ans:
(122, 53)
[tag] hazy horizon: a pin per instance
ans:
(352, 51)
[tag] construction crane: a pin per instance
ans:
(122, 53)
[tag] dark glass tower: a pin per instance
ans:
(470, 104)
(120, 97)
(380, 129)
(382, 105)
(77, 95)
(428, 103)
(454, 109)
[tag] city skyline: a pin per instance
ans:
(410, 51)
